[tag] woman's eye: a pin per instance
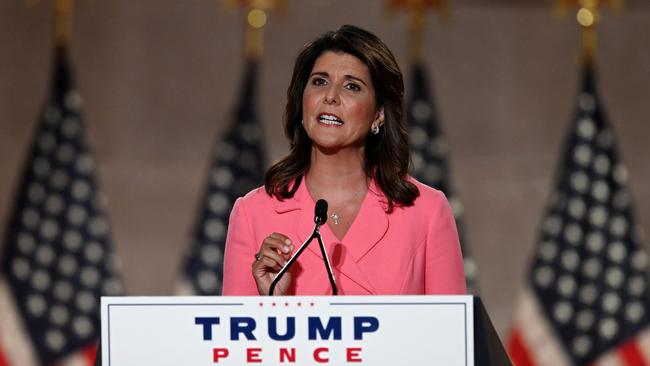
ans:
(318, 81)
(353, 87)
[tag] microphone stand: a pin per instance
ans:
(314, 235)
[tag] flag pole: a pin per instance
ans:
(416, 10)
(588, 17)
(416, 27)
(256, 17)
(254, 34)
(63, 22)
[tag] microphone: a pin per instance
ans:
(320, 212)
(320, 217)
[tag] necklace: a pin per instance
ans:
(335, 216)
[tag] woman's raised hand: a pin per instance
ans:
(274, 253)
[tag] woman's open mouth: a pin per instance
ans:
(330, 119)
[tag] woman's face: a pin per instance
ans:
(338, 103)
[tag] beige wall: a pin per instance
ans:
(159, 77)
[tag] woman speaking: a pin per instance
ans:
(386, 233)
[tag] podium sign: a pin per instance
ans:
(202, 331)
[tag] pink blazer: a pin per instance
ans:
(413, 250)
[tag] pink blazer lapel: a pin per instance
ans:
(302, 202)
(370, 225)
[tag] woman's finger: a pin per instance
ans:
(280, 245)
(272, 254)
(282, 240)
(271, 263)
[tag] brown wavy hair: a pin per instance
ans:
(387, 154)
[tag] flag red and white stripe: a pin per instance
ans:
(15, 345)
(532, 342)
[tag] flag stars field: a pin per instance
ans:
(584, 276)
(57, 259)
(237, 168)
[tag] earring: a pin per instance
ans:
(374, 130)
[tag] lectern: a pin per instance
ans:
(298, 330)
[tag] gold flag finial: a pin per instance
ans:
(416, 12)
(588, 17)
(256, 17)
(63, 22)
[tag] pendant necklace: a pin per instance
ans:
(335, 216)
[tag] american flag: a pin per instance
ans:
(430, 150)
(57, 259)
(586, 300)
(237, 167)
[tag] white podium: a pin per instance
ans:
(296, 330)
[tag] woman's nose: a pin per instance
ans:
(332, 96)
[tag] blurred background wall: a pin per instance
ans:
(159, 79)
